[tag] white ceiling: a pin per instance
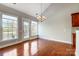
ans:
(29, 8)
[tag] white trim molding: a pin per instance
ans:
(46, 38)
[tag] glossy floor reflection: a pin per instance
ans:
(38, 47)
(22, 49)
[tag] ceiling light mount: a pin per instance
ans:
(14, 3)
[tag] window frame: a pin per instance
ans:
(32, 34)
(11, 27)
(26, 20)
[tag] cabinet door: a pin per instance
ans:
(75, 20)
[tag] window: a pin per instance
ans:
(33, 28)
(9, 26)
(26, 28)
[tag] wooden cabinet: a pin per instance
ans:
(74, 39)
(75, 20)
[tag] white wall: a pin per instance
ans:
(58, 24)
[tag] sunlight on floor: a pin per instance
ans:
(10, 53)
(26, 49)
(34, 48)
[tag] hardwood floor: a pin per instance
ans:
(39, 47)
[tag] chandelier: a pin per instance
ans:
(41, 17)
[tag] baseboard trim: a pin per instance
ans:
(57, 40)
